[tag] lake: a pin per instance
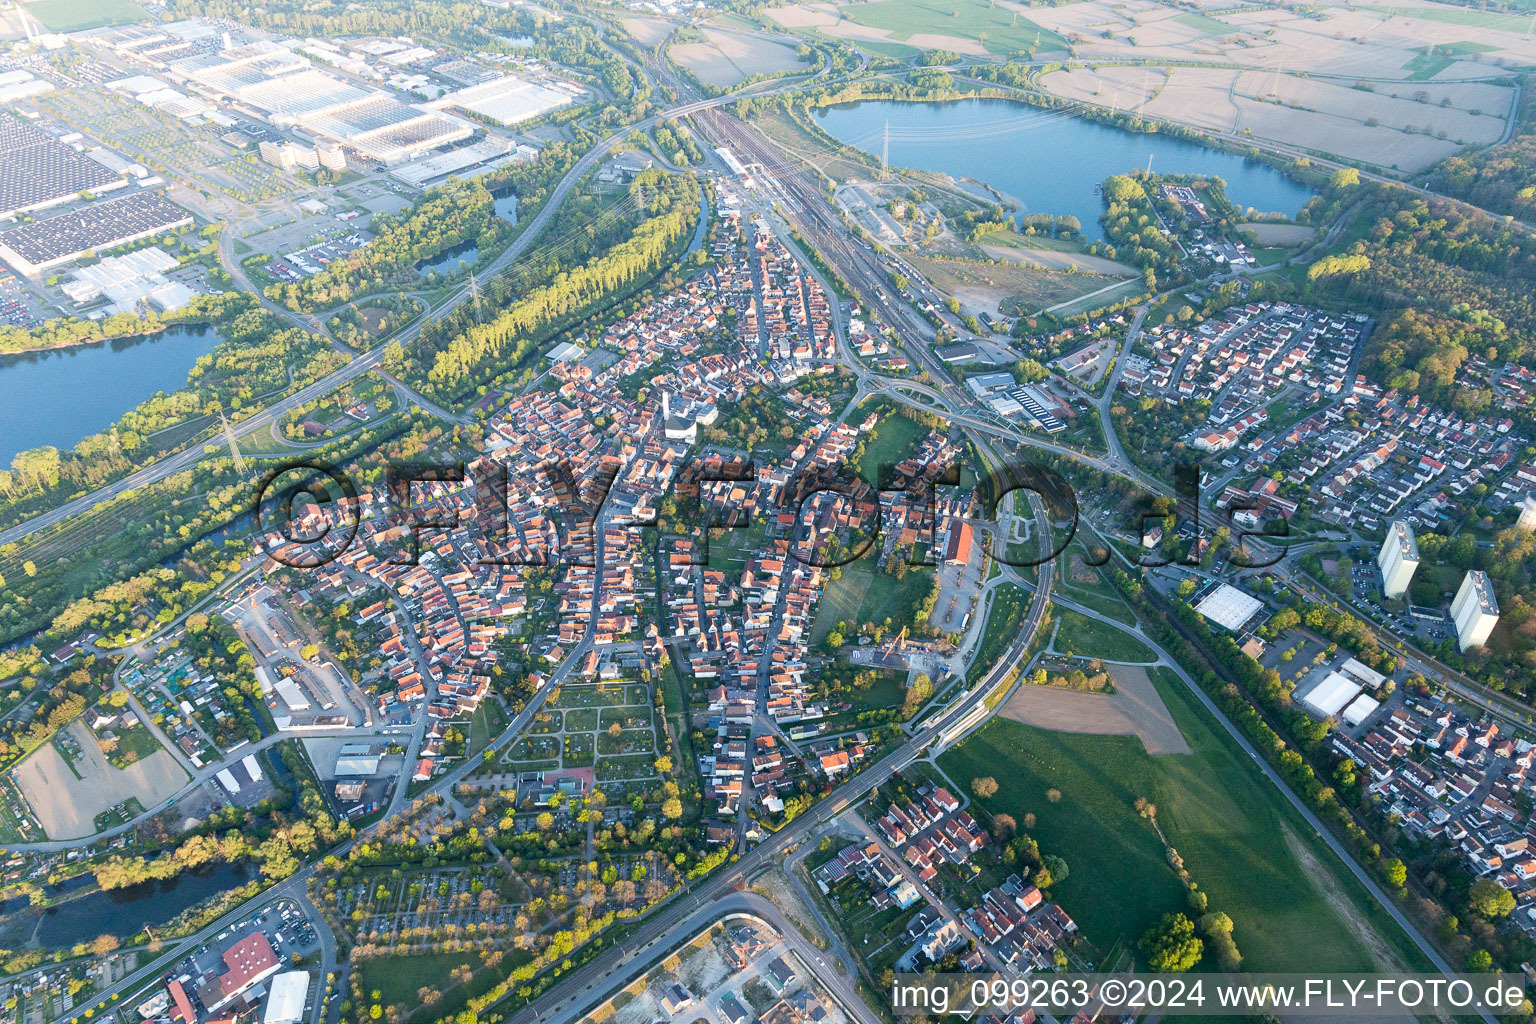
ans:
(59, 396)
(123, 912)
(1049, 161)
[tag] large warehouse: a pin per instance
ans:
(38, 171)
(510, 101)
(33, 248)
(1229, 607)
(1329, 696)
(289, 90)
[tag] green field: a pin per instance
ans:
(398, 978)
(999, 30)
(1238, 838)
(1091, 638)
(1431, 60)
(76, 15)
(1204, 23)
(1010, 603)
(1519, 23)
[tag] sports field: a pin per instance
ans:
(1295, 906)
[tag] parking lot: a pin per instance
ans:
(301, 263)
(288, 930)
(1366, 583)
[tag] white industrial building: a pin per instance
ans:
(292, 695)
(285, 1003)
(357, 765)
(1229, 607)
(1475, 610)
(1330, 696)
(131, 282)
(290, 91)
(1361, 708)
(1398, 558)
(511, 101)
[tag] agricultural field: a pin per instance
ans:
(1423, 91)
(1090, 638)
(726, 59)
(1295, 907)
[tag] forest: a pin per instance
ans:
(1468, 276)
(1130, 223)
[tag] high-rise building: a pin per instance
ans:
(1475, 610)
(331, 157)
(1527, 521)
(1398, 559)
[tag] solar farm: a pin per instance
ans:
(37, 170)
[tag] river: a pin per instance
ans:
(59, 396)
(123, 912)
(1049, 161)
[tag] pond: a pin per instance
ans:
(59, 396)
(460, 257)
(1051, 162)
(506, 207)
(122, 912)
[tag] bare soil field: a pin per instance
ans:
(1135, 709)
(647, 31)
(1008, 289)
(1053, 259)
(825, 17)
(1407, 125)
(1309, 95)
(728, 59)
(66, 805)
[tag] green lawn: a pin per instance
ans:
(894, 439)
(77, 15)
(843, 597)
(893, 599)
(998, 29)
(138, 741)
(1227, 821)
(1431, 60)
(1094, 639)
